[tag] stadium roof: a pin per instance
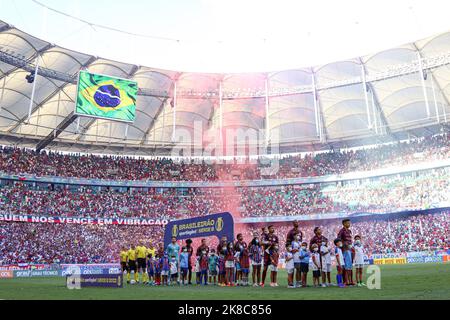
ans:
(386, 96)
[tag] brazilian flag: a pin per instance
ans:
(106, 97)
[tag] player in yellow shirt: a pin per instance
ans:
(132, 263)
(151, 250)
(149, 254)
(123, 260)
(141, 252)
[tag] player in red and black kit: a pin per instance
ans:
(268, 241)
(345, 234)
(245, 265)
(274, 256)
(221, 252)
(319, 239)
(222, 246)
(201, 248)
(239, 247)
(293, 232)
(229, 265)
(203, 267)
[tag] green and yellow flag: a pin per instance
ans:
(106, 97)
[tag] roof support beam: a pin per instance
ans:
(267, 106)
(85, 129)
(320, 123)
(49, 97)
(38, 105)
(422, 81)
(24, 64)
(67, 120)
(158, 113)
(56, 132)
(379, 110)
(6, 27)
(152, 123)
(444, 96)
(438, 87)
(376, 105)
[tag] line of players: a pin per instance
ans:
(229, 264)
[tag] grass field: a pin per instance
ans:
(411, 281)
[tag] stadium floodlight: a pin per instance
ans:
(30, 78)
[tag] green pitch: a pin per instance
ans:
(412, 281)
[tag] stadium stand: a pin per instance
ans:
(385, 194)
(46, 163)
(51, 243)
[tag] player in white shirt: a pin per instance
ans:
(237, 274)
(289, 258)
(314, 264)
(358, 260)
(197, 270)
(325, 254)
(173, 270)
(296, 246)
(339, 262)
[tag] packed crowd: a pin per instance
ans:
(386, 194)
(65, 243)
(338, 162)
(22, 199)
(21, 161)
(58, 243)
(393, 193)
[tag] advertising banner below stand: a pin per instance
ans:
(90, 269)
(36, 273)
(98, 280)
(220, 224)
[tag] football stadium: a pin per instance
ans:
(210, 152)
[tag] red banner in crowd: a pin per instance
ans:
(78, 220)
(24, 266)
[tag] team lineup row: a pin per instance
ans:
(48, 243)
(230, 263)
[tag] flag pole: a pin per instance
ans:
(33, 90)
(174, 111)
(77, 130)
(3, 92)
(126, 132)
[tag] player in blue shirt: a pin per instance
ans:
(173, 250)
(151, 262)
(165, 269)
(184, 265)
(213, 263)
(203, 261)
(158, 268)
(304, 263)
